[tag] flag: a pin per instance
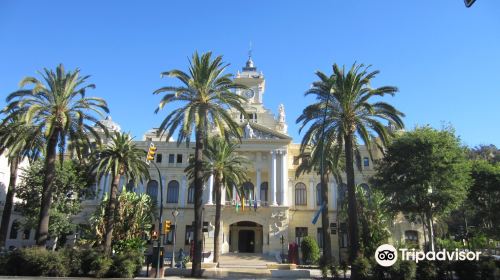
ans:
(316, 216)
(242, 203)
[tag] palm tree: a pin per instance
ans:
(207, 94)
(18, 141)
(120, 157)
(344, 97)
(228, 169)
(311, 157)
(56, 107)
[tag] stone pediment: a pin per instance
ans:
(256, 131)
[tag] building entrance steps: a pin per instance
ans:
(245, 260)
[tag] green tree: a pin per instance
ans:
(120, 158)
(424, 172)
(228, 169)
(56, 107)
(207, 93)
(483, 198)
(18, 141)
(374, 219)
(133, 218)
(310, 250)
(342, 111)
(71, 184)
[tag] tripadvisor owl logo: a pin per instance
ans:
(386, 255)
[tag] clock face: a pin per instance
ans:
(249, 93)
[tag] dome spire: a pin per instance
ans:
(249, 66)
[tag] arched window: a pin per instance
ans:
(152, 190)
(248, 190)
(14, 229)
(318, 194)
(173, 192)
(263, 193)
(300, 194)
(191, 194)
(130, 186)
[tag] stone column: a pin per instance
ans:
(311, 201)
(182, 192)
(284, 178)
(273, 178)
(258, 182)
(210, 189)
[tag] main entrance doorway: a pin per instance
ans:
(245, 237)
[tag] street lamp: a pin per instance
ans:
(174, 213)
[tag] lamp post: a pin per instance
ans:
(174, 213)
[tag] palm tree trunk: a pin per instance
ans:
(110, 214)
(42, 232)
(9, 201)
(218, 207)
(351, 197)
(198, 202)
(325, 223)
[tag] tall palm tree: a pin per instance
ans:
(207, 93)
(228, 169)
(18, 141)
(311, 156)
(56, 107)
(120, 158)
(345, 97)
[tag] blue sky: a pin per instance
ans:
(443, 57)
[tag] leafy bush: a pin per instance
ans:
(36, 262)
(467, 270)
(73, 260)
(87, 261)
(426, 270)
(403, 270)
(127, 264)
(101, 266)
(363, 267)
(310, 250)
(323, 266)
(488, 269)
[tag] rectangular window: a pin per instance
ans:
(296, 160)
(366, 162)
(300, 232)
(189, 235)
(169, 237)
(171, 158)
(158, 158)
(319, 237)
(179, 158)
